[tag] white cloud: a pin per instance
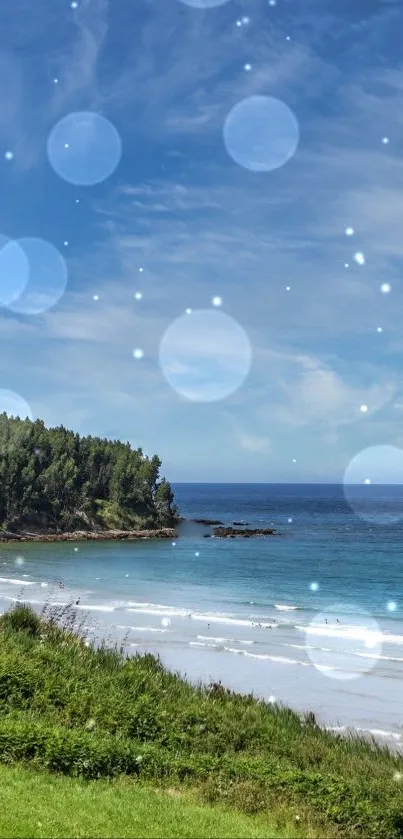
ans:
(304, 391)
(253, 443)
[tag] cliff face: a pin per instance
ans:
(53, 481)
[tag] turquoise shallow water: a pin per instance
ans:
(312, 617)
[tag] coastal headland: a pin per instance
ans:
(56, 485)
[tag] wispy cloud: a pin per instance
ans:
(273, 246)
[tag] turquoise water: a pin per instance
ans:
(311, 617)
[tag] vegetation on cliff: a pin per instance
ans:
(53, 480)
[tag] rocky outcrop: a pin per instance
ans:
(232, 532)
(207, 521)
(88, 535)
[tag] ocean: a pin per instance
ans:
(311, 617)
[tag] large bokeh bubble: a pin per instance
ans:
(84, 148)
(205, 356)
(47, 277)
(373, 484)
(14, 405)
(261, 133)
(204, 4)
(344, 641)
(14, 271)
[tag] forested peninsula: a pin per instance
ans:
(55, 482)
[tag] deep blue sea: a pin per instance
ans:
(311, 617)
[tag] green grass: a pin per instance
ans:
(93, 714)
(37, 804)
(113, 517)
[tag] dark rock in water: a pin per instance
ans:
(230, 532)
(206, 536)
(240, 523)
(207, 521)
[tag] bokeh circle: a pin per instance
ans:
(205, 356)
(84, 148)
(14, 271)
(373, 484)
(343, 642)
(47, 277)
(261, 133)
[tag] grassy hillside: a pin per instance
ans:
(89, 713)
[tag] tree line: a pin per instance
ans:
(54, 479)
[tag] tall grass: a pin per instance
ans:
(94, 712)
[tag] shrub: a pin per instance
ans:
(21, 618)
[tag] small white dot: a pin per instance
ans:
(66, 244)
(294, 460)
(173, 544)
(272, 700)
(289, 521)
(239, 23)
(141, 269)
(397, 776)
(287, 37)
(391, 606)
(385, 140)
(20, 560)
(367, 481)
(138, 295)
(76, 549)
(216, 301)
(346, 264)
(9, 155)
(77, 200)
(138, 353)
(188, 311)
(364, 409)
(247, 67)
(272, 2)
(385, 288)
(55, 81)
(245, 20)
(288, 288)
(66, 146)
(379, 329)
(74, 4)
(95, 296)
(314, 586)
(359, 258)
(197, 553)
(349, 231)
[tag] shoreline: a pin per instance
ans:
(89, 535)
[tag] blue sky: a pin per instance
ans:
(324, 339)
